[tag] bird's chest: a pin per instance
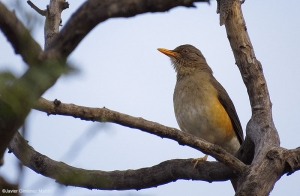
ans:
(198, 110)
(194, 101)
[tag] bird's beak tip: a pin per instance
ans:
(167, 52)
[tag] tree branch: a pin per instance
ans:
(293, 160)
(45, 68)
(106, 115)
(95, 12)
(19, 37)
(165, 172)
(260, 129)
(53, 20)
(38, 10)
(288, 160)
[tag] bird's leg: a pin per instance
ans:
(199, 159)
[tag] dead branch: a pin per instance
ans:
(106, 115)
(263, 172)
(38, 10)
(94, 13)
(165, 172)
(19, 37)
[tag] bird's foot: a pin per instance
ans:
(196, 161)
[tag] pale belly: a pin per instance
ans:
(200, 113)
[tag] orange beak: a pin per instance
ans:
(167, 52)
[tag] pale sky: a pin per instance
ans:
(121, 69)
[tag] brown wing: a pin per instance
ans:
(230, 109)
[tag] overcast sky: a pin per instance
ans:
(121, 69)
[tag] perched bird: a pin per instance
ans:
(202, 106)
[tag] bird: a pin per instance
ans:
(202, 106)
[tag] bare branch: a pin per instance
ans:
(224, 7)
(165, 172)
(106, 115)
(17, 99)
(38, 10)
(292, 160)
(53, 20)
(95, 12)
(286, 161)
(260, 129)
(19, 37)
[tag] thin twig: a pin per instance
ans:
(38, 10)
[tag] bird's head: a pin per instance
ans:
(186, 57)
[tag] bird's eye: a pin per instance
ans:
(184, 50)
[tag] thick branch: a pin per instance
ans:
(106, 115)
(95, 12)
(165, 172)
(263, 172)
(19, 37)
(292, 160)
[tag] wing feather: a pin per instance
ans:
(230, 109)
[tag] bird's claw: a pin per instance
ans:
(199, 159)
